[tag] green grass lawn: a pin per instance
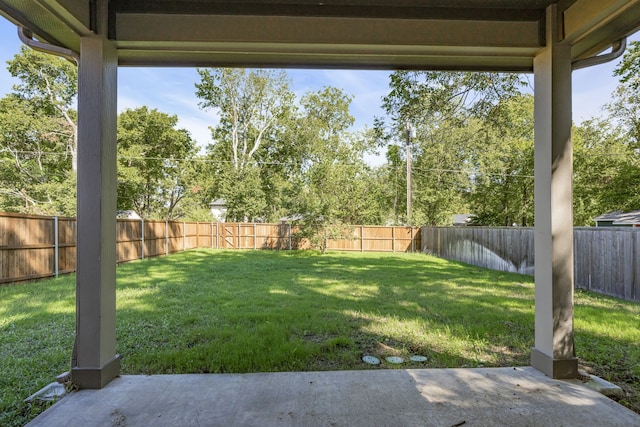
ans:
(259, 311)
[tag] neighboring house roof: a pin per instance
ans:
(462, 219)
(128, 214)
(218, 203)
(293, 217)
(620, 218)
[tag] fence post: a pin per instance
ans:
(413, 248)
(166, 238)
(255, 238)
(184, 236)
(289, 236)
(56, 250)
(217, 235)
(393, 238)
(142, 241)
(239, 242)
(361, 238)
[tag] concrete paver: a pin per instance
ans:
(386, 397)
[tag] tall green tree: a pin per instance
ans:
(35, 169)
(334, 175)
(624, 110)
(38, 136)
(441, 173)
(154, 163)
(600, 155)
(444, 108)
(503, 192)
(50, 85)
(336, 187)
(252, 106)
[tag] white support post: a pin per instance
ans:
(56, 250)
(554, 352)
(94, 361)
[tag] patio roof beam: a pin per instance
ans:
(332, 42)
(591, 26)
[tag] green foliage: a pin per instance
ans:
(35, 170)
(254, 107)
(47, 81)
(629, 68)
(38, 138)
(49, 84)
(336, 186)
(447, 110)
(502, 192)
(599, 154)
(154, 163)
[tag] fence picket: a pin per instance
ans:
(606, 260)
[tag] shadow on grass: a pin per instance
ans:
(280, 311)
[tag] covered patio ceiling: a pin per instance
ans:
(500, 35)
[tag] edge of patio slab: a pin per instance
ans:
(385, 397)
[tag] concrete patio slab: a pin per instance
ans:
(393, 397)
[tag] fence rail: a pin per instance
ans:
(606, 260)
(34, 247)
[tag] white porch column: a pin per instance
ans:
(554, 352)
(95, 362)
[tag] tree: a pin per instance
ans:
(49, 83)
(446, 109)
(35, 169)
(154, 163)
(249, 104)
(629, 68)
(441, 174)
(502, 193)
(252, 106)
(337, 187)
(38, 136)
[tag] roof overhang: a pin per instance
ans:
(500, 35)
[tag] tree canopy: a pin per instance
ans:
(278, 154)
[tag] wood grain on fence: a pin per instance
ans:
(28, 247)
(606, 260)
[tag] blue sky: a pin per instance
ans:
(171, 90)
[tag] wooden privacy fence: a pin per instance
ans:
(34, 247)
(606, 259)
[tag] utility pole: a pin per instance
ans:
(410, 133)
